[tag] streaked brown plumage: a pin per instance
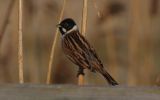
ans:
(78, 50)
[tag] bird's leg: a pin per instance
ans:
(80, 71)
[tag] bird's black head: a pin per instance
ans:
(67, 25)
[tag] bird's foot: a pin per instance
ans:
(80, 72)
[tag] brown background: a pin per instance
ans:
(125, 36)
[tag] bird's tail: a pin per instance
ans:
(108, 77)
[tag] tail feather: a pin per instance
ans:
(109, 78)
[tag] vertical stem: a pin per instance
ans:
(20, 45)
(54, 46)
(84, 17)
(83, 30)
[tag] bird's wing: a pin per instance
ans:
(73, 50)
(80, 52)
(94, 60)
(91, 56)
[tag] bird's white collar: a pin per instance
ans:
(73, 29)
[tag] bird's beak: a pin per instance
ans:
(58, 25)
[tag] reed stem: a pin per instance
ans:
(54, 46)
(84, 25)
(20, 43)
(84, 17)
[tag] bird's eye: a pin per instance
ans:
(66, 24)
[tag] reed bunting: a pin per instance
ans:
(79, 51)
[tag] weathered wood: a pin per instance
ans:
(74, 92)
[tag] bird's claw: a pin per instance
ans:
(80, 72)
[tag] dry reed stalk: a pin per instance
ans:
(54, 46)
(20, 42)
(84, 18)
(83, 31)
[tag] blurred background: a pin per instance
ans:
(125, 34)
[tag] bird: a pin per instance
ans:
(76, 47)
